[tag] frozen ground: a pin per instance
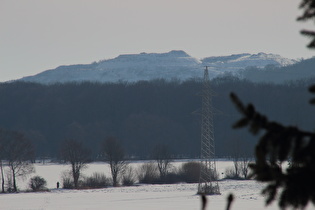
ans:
(151, 197)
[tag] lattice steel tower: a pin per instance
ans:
(207, 183)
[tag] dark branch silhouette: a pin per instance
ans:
(277, 145)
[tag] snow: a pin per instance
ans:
(154, 197)
(236, 62)
(175, 64)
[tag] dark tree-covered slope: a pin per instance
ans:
(143, 114)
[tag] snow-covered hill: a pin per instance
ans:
(175, 64)
(241, 61)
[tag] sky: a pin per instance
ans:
(37, 35)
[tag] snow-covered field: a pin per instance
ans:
(176, 196)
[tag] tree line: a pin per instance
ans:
(17, 158)
(143, 114)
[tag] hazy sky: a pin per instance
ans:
(36, 35)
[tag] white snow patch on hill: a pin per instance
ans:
(175, 64)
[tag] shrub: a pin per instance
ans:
(97, 180)
(171, 178)
(67, 180)
(148, 173)
(230, 173)
(9, 183)
(37, 183)
(128, 178)
(190, 172)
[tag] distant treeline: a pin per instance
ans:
(145, 114)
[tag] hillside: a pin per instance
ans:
(144, 114)
(176, 65)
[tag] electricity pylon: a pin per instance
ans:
(207, 183)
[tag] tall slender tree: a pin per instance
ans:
(114, 155)
(162, 156)
(19, 152)
(78, 156)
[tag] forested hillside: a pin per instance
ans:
(145, 114)
(280, 75)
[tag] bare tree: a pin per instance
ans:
(114, 154)
(19, 153)
(162, 156)
(2, 176)
(244, 166)
(240, 157)
(237, 166)
(1, 157)
(236, 156)
(78, 156)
